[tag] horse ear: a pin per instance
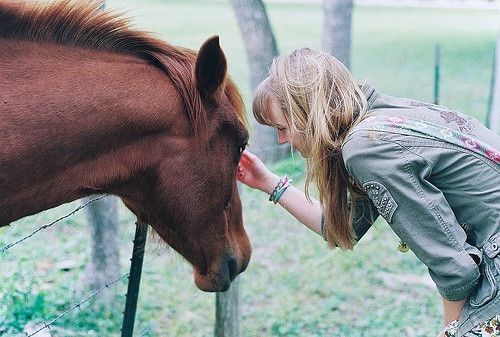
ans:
(210, 69)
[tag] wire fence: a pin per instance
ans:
(77, 305)
(133, 284)
(10, 245)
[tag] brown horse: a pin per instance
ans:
(89, 105)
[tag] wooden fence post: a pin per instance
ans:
(228, 308)
(228, 312)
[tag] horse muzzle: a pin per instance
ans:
(220, 274)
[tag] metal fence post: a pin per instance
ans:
(134, 280)
(437, 68)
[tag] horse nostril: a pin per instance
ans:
(233, 267)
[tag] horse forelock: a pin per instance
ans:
(236, 100)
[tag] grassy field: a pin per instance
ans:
(294, 286)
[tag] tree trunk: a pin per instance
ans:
(261, 48)
(104, 264)
(493, 117)
(336, 38)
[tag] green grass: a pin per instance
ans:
(294, 286)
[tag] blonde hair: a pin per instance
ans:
(321, 100)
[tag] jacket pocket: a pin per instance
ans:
(490, 273)
(492, 250)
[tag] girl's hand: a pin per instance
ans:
(253, 173)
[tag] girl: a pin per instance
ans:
(432, 173)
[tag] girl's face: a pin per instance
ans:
(286, 134)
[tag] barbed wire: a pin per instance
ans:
(10, 245)
(79, 304)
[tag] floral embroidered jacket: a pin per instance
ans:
(434, 175)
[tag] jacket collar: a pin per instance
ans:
(370, 93)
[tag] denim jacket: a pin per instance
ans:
(441, 198)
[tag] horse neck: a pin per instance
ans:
(76, 124)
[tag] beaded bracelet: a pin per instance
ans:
(280, 188)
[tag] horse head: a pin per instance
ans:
(190, 198)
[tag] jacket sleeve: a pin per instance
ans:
(397, 181)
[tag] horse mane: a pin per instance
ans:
(71, 22)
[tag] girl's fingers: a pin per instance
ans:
(239, 172)
(244, 156)
(247, 159)
(249, 155)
